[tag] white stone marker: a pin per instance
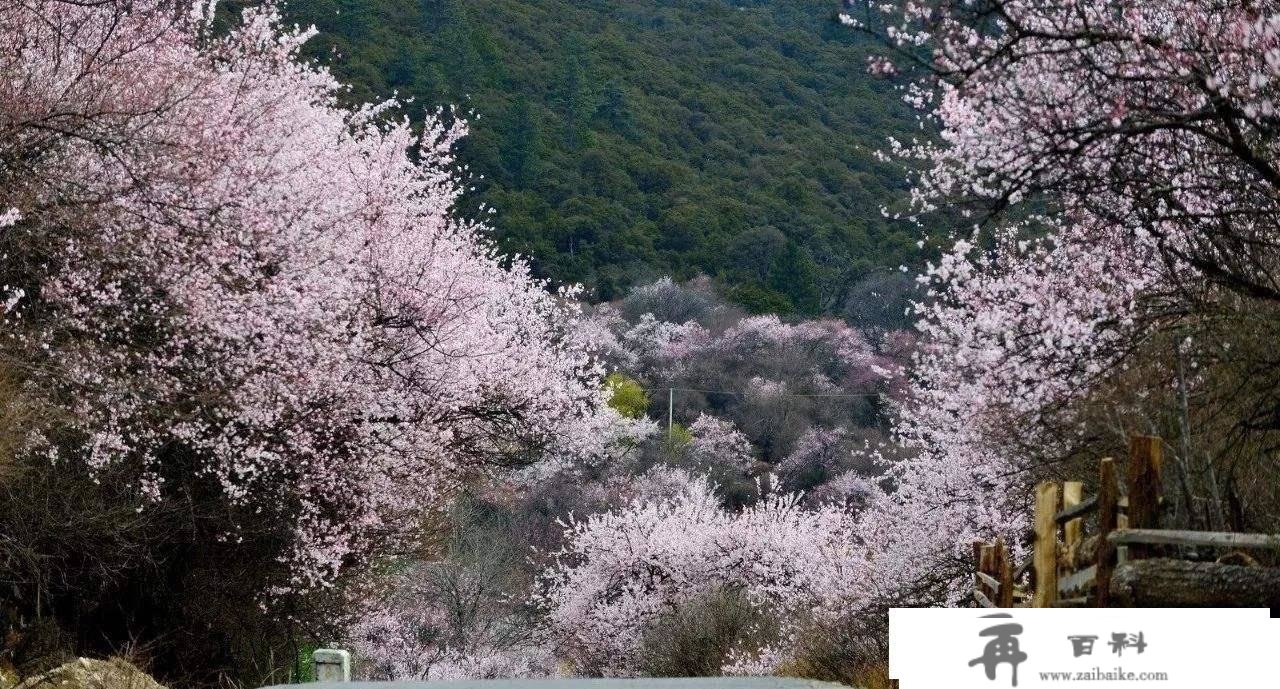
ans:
(331, 665)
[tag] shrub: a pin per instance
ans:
(626, 396)
(699, 637)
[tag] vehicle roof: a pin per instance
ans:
(638, 683)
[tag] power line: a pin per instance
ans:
(851, 395)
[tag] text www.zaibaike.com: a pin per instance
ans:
(1097, 674)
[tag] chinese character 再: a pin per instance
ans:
(1082, 645)
(1002, 649)
(1120, 641)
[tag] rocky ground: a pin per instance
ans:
(85, 673)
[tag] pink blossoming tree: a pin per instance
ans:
(215, 275)
(1145, 133)
(622, 571)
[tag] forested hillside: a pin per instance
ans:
(620, 141)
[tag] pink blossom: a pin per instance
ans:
(239, 279)
(621, 570)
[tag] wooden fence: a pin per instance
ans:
(1108, 549)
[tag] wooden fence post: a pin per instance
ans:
(1145, 455)
(1072, 494)
(977, 568)
(1004, 573)
(987, 561)
(1108, 494)
(1045, 554)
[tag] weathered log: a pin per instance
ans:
(1166, 583)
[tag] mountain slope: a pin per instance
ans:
(619, 140)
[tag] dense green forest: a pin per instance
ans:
(619, 140)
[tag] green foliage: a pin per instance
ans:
(626, 396)
(757, 299)
(305, 669)
(618, 141)
(676, 441)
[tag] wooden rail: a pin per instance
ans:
(1079, 542)
(1207, 539)
(1087, 507)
